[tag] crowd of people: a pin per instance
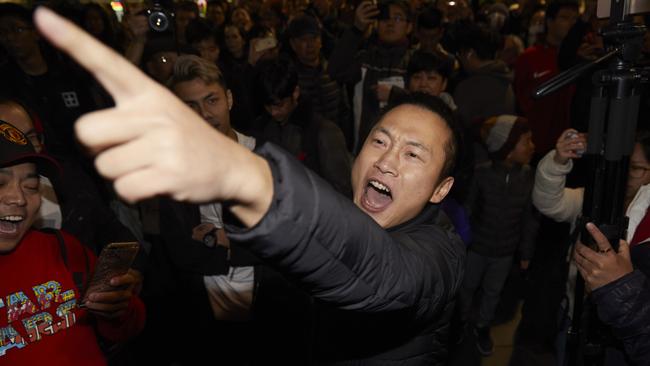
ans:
(317, 182)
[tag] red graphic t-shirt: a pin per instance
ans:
(40, 322)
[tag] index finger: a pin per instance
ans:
(599, 238)
(116, 74)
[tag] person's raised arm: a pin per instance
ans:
(151, 143)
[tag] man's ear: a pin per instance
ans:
(444, 84)
(442, 190)
(296, 94)
(229, 98)
(409, 28)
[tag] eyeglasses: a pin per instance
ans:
(637, 171)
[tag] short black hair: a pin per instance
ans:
(275, 79)
(18, 11)
(430, 18)
(439, 107)
(187, 5)
(479, 37)
(199, 30)
(426, 61)
(554, 7)
(384, 8)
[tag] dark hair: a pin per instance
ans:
(429, 18)
(426, 61)
(199, 30)
(440, 108)
(554, 7)
(484, 41)
(108, 34)
(18, 11)
(275, 79)
(187, 5)
(384, 8)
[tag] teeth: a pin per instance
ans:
(12, 218)
(380, 186)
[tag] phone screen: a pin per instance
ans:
(114, 260)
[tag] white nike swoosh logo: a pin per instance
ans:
(538, 75)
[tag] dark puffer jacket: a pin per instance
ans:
(625, 305)
(501, 210)
(381, 297)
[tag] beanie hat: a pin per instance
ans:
(501, 134)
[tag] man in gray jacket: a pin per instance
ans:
(384, 268)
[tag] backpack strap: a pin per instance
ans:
(75, 258)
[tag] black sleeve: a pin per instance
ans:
(335, 251)
(625, 306)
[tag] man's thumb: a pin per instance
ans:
(624, 249)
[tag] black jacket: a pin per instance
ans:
(501, 210)
(625, 305)
(380, 296)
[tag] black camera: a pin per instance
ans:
(159, 19)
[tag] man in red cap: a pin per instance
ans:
(41, 320)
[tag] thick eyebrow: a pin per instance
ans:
(409, 142)
(210, 95)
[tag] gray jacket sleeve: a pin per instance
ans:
(335, 251)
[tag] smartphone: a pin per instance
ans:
(265, 44)
(114, 260)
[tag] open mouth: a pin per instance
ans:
(9, 224)
(377, 196)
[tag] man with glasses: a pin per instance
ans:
(373, 70)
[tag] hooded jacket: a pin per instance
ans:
(381, 296)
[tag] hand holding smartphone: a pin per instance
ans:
(114, 260)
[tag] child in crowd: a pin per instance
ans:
(502, 218)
